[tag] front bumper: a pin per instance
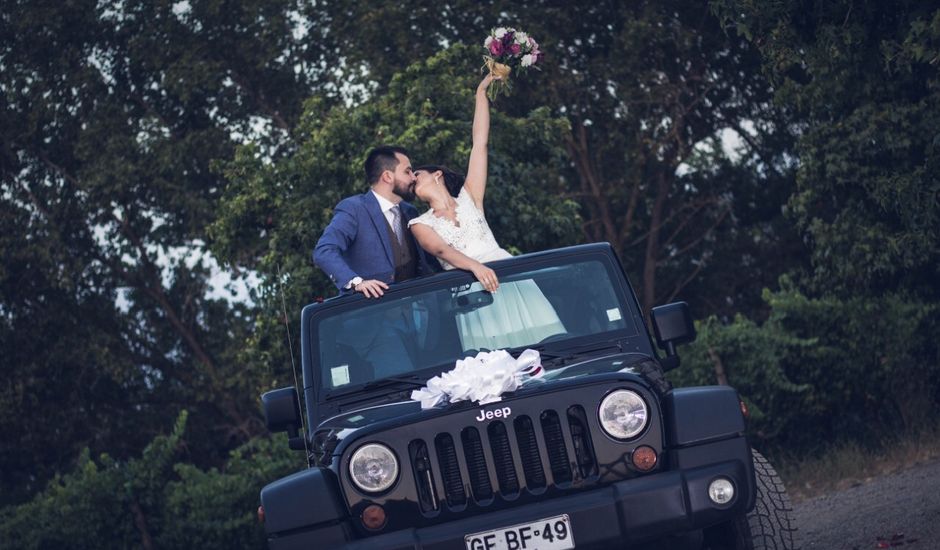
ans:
(631, 511)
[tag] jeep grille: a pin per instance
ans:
(525, 454)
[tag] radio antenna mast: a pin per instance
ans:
(293, 365)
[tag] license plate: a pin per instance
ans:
(545, 534)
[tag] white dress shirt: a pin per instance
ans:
(386, 206)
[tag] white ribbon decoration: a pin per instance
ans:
(483, 378)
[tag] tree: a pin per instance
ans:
(111, 117)
(151, 500)
(862, 80)
(648, 89)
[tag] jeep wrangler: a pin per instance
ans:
(599, 452)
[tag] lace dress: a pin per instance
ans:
(520, 314)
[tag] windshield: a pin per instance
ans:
(395, 337)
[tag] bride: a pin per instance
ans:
(455, 230)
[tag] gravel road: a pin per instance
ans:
(900, 510)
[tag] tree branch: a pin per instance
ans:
(704, 234)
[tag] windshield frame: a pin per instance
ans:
(636, 341)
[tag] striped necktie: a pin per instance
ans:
(396, 224)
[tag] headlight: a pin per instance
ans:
(623, 414)
(373, 468)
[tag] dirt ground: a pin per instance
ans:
(899, 510)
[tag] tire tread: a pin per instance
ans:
(771, 522)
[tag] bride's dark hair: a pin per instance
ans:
(453, 181)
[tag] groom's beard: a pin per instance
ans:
(407, 193)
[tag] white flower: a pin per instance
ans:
(529, 59)
(521, 38)
(500, 32)
(482, 379)
(487, 42)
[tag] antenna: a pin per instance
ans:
(293, 366)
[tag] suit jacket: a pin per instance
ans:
(356, 242)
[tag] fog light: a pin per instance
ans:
(373, 517)
(644, 458)
(721, 491)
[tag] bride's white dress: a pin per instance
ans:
(520, 314)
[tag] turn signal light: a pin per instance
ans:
(373, 517)
(260, 514)
(744, 410)
(644, 458)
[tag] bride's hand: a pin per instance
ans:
(486, 276)
(485, 83)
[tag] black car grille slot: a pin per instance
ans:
(502, 458)
(555, 446)
(450, 470)
(476, 464)
(424, 479)
(581, 441)
(529, 453)
(483, 464)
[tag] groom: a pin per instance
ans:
(367, 244)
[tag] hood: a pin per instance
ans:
(352, 420)
(337, 428)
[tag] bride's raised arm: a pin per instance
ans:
(476, 171)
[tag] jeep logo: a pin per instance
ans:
(490, 415)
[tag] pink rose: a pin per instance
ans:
(496, 47)
(515, 49)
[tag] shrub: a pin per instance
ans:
(824, 369)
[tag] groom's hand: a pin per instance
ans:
(373, 288)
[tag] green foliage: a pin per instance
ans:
(862, 80)
(218, 508)
(826, 370)
(754, 359)
(111, 114)
(103, 504)
(151, 501)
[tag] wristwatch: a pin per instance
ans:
(355, 281)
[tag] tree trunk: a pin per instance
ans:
(720, 374)
(651, 258)
(140, 522)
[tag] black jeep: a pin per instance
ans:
(600, 452)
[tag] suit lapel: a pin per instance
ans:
(381, 224)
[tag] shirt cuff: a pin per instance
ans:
(353, 282)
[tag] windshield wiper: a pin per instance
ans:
(415, 381)
(564, 355)
(389, 380)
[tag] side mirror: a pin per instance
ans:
(282, 414)
(672, 325)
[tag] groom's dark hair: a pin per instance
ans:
(453, 181)
(380, 159)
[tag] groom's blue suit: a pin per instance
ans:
(357, 242)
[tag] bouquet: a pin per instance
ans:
(509, 49)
